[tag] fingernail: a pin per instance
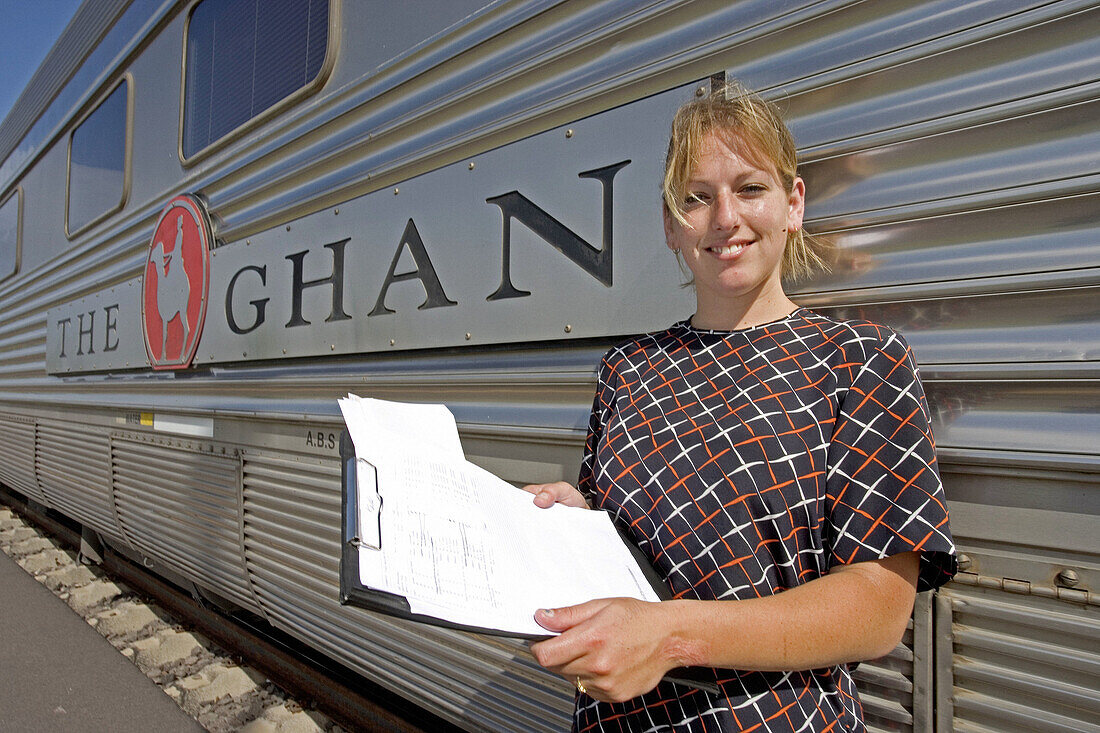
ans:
(547, 611)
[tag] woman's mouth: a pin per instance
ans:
(726, 250)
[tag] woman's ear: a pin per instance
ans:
(666, 217)
(796, 205)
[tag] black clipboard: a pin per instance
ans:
(354, 593)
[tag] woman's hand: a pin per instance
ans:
(559, 492)
(615, 647)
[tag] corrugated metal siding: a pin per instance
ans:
(292, 544)
(182, 507)
(1021, 663)
(17, 466)
(71, 462)
(951, 156)
(889, 687)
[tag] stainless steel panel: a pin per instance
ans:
(962, 63)
(292, 536)
(995, 163)
(950, 152)
(961, 252)
(17, 464)
(1037, 327)
(182, 507)
(73, 473)
(1022, 663)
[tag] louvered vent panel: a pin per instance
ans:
(886, 688)
(292, 546)
(17, 456)
(1021, 663)
(182, 508)
(72, 462)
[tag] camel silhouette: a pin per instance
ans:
(173, 287)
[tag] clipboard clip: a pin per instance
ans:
(368, 514)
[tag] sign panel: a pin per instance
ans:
(557, 236)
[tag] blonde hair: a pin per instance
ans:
(753, 126)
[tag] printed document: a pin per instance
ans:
(463, 545)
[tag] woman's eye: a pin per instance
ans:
(695, 199)
(753, 189)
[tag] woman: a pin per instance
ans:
(775, 465)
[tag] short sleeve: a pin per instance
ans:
(602, 405)
(883, 490)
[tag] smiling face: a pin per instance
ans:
(737, 216)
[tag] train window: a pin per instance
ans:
(244, 57)
(11, 226)
(98, 157)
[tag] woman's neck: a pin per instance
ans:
(737, 314)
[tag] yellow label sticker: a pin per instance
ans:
(147, 419)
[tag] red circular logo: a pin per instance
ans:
(175, 283)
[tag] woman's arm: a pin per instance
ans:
(620, 648)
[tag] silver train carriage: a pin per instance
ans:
(216, 217)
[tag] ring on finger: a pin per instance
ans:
(580, 687)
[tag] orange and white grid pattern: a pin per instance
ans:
(746, 462)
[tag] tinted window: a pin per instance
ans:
(243, 56)
(97, 161)
(9, 236)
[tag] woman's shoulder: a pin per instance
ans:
(640, 349)
(671, 336)
(855, 333)
(863, 349)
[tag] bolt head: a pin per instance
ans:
(1069, 578)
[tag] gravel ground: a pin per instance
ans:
(221, 693)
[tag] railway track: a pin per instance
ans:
(228, 672)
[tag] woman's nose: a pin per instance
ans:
(724, 212)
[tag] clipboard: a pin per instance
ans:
(354, 537)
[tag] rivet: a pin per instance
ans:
(336, 212)
(700, 91)
(244, 353)
(1069, 578)
(471, 166)
(332, 347)
(569, 133)
(468, 336)
(569, 328)
(396, 191)
(392, 342)
(247, 242)
(288, 227)
(284, 351)
(964, 562)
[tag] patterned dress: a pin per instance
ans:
(747, 462)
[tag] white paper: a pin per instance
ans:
(462, 544)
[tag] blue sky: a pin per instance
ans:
(28, 30)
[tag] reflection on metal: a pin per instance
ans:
(954, 168)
